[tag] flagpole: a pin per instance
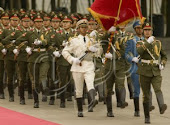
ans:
(151, 2)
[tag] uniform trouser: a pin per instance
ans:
(120, 78)
(10, 70)
(37, 72)
(79, 78)
(99, 80)
(146, 82)
(1, 76)
(64, 76)
(110, 80)
(22, 73)
(136, 84)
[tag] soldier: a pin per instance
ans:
(9, 57)
(38, 60)
(4, 25)
(63, 65)
(153, 60)
(82, 69)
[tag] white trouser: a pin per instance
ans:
(79, 82)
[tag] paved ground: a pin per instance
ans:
(68, 116)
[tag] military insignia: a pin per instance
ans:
(38, 16)
(55, 16)
(6, 14)
(26, 15)
(137, 45)
(15, 15)
(147, 24)
(13, 33)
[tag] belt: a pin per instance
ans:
(150, 61)
(39, 50)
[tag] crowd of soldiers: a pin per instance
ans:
(64, 55)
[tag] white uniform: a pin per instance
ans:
(77, 48)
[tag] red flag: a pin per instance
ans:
(114, 12)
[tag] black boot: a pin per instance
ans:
(80, 107)
(93, 102)
(90, 108)
(62, 100)
(21, 91)
(1, 91)
(130, 90)
(122, 93)
(160, 100)
(136, 104)
(151, 107)
(36, 99)
(146, 113)
(109, 106)
(118, 98)
(11, 92)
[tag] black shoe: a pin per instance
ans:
(110, 114)
(147, 121)
(84, 103)
(118, 104)
(36, 105)
(124, 105)
(62, 105)
(137, 114)
(44, 98)
(90, 109)
(11, 99)
(22, 102)
(151, 108)
(80, 114)
(69, 98)
(30, 96)
(2, 96)
(163, 108)
(101, 99)
(51, 102)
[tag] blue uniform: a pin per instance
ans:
(130, 52)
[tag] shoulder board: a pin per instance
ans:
(52, 36)
(24, 34)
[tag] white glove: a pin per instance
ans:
(161, 67)
(4, 51)
(15, 51)
(56, 54)
(112, 29)
(150, 39)
(37, 42)
(28, 50)
(76, 61)
(108, 55)
(135, 59)
(64, 43)
(93, 49)
(93, 33)
(13, 41)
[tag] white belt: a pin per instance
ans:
(150, 61)
(39, 50)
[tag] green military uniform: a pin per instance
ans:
(9, 43)
(153, 59)
(38, 60)
(122, 67)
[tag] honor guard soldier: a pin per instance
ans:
(83, 48)
(153, 60)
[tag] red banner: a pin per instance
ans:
(114, 12)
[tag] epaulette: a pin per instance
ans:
(1, 31)
(19, 28)
(52, 36)
(70, 38)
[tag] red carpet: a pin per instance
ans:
(9, 117)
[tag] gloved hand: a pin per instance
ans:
(64, 43)
(76, 61)
(15, 51)
(112, 29)
(4, 51)
(93, 33)
(93, 49)
(13, 41)
(37, 42)
(135, 59)
(161, 66)
(108, 55)
(28, 50)
(56, 54)
(150, 39)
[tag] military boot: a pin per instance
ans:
(151, 107)
(130, 88)
(136, 104)
(160, 100)
(36, 99)
(118, 97)
(93, 102)
(109, 106)
(146, 113)
(80, 107)
(22, 98)
(11, 92)
(122, 93)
